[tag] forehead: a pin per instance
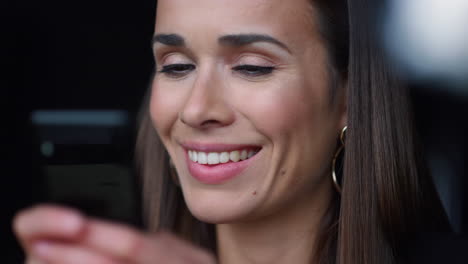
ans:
(208, 18)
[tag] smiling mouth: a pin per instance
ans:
(215, 158)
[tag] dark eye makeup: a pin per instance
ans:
(177, 70)
(254, 70)
(180, 70)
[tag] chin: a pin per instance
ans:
(216, 208)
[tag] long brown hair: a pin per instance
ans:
(387, 192)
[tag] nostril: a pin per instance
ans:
(209, 123)
(206, 115)
(203, 124)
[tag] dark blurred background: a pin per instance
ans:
(96, 55)
(68, 55)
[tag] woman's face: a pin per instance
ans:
(241, 100)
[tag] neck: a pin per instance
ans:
(288, 236)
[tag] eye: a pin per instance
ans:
(253, 70)
(177, 70)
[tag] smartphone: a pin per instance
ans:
(86, 162)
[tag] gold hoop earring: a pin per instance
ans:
(173, 173)
(335, 157)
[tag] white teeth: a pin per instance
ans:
(224, 157)
(243, 155)
(202, 159)
(234, 156)
(214, 158)
(192, 155)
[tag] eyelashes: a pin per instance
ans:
(251, 71)
(177, 70)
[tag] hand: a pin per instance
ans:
(56, 235)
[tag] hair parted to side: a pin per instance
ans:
(387, 193)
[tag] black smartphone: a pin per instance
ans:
(86, 161)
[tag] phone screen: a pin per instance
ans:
(87, 162)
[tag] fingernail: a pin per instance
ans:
(42, 249)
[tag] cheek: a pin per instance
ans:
(295, 117)
(283, 107)
(163, 109)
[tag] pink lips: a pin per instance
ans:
(219, 173)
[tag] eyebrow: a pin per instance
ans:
(169, 40)
(230, 40)
(246, 39)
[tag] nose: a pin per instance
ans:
(207, 106)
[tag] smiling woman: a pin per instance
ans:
(247, 85)
(251, 107)
(248, 101)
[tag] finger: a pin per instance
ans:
(61, 253)
(114, 239)
(33, 260)
(190, 253)
(47, 222)
(128, 244)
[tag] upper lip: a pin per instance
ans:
(216, 147)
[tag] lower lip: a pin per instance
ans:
(219, 173)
